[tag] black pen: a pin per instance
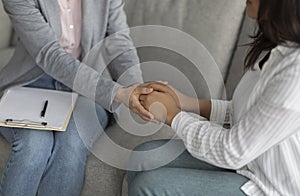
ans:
(44, 109)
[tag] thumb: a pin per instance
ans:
(144, 91)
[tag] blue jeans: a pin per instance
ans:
(185, 176)
(49, 163)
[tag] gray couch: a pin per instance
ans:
(218, 24)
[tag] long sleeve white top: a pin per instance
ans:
(263, 143)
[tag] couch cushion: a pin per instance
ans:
(215, 23)
(6, 29)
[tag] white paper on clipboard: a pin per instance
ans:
(23, 106)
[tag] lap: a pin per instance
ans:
(29, 136)
(184, 160)
(87, 121)
(185, 175)
(183, 181)
(80, 129)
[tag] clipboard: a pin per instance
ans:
(21, 107)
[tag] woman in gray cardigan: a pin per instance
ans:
(54, 37)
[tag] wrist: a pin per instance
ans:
(119, 98)
(205, 108)
(172, 115)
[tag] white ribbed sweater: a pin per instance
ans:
(263, 142)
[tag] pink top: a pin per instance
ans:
(71, 22)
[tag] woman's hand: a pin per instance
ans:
(198, 106)
(177, 96)
(130, 97)
(162, 105)
(182, 101)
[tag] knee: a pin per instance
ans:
(71, 148)
(144, 184)
(148, 156)
(138, 185)
(73, 145)
(32, 148)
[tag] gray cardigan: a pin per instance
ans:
(38, 51)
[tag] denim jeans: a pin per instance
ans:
(49, 163)
(185, 176)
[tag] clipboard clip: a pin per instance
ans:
(25, 123)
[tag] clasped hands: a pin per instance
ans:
(152, 101)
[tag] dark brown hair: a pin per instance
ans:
(278, 21)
